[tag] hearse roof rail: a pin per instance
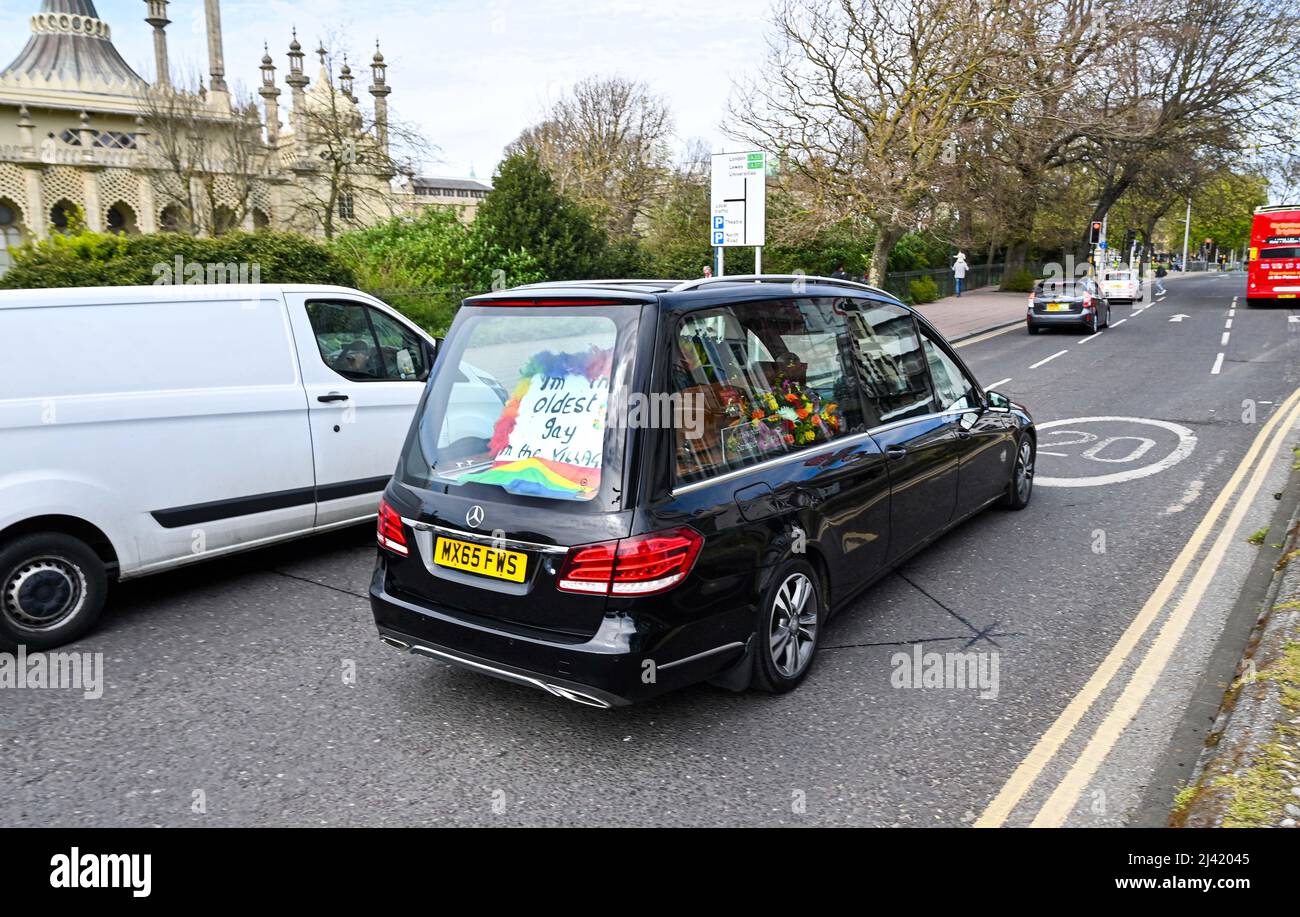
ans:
(776, 278)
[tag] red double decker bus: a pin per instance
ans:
(1274, 269)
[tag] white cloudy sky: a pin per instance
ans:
(470, 73)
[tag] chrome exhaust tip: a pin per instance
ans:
(577, 697)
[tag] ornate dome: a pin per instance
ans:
(71, 47)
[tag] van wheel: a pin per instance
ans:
(789, 621)
(1021, 486)
(52, 589)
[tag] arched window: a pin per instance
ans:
(63, 215)
(11, 232)
(223, 220)
(171, 219)
(260, 219)
(120, 219)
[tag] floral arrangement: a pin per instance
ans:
(780, 419)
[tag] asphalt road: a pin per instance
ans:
(229, 697)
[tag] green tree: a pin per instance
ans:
(425, 265)
(525, 212)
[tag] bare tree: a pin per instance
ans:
(606, 144)
(866, 102)
(206, 163)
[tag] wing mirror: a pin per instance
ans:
(430, 354)
(997, 401)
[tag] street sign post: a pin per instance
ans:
(738, 203)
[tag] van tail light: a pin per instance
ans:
(391, 534)
(1031, 302)
(643, 565)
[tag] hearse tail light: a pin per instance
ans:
(391, 535)
(642, 565)
(588, 568)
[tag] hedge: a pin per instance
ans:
(90, 259)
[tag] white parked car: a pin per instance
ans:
(142, 428)
(1122, 285)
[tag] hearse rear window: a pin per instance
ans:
(518, 403)
(760, 380)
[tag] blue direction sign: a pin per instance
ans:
(719, 222)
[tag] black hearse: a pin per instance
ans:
(616, 488)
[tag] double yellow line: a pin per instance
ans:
(1063, 798)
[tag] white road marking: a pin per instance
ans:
(1118, 323)
(1083, 341)
(1049, 359)
(1228, 323)
(1218, 365)
(999, 382)
(1186, 443)
(1190, 496)
(1224, 341)
(1057, 454)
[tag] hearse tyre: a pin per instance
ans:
(790, 621)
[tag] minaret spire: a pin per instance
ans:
(216, 64)
(380, 89)
(157, 18)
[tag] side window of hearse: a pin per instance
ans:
(759, 380)
(952, 388)
(890, 364)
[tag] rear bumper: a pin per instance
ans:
(1053, 319)
(619, 665)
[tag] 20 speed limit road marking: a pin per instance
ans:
(1061, 802)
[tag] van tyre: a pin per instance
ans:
(789, 626)
(1021, 486)
(52, 589)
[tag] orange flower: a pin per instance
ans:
(817, 420)
(789, 439)
(792, 398)
(757, 415)
(801, 413)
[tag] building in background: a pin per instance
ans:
(83, 136)
(464, 194)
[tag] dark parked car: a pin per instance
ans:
(1067, 302)
(616, 488)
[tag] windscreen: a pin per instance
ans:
(1274, 254)
(519, 405)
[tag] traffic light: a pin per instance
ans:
(1094, 236)
(1130, 237)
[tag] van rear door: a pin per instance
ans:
(363, 370)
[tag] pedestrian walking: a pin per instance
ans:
(1160, 273)
(839, 273)
(959, 270)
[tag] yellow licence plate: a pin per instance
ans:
(1058, 307)
(480, 559)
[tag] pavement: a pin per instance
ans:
(1249, 773)
(975, 311)
(253, 690)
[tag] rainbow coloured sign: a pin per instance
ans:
(549, 440)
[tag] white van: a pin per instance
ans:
(142, 428)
